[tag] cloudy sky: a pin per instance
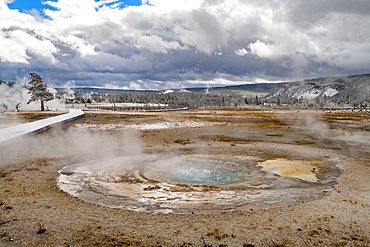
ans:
(155, 44)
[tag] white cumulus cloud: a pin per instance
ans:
(185, 42)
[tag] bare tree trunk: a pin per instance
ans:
(42, 106)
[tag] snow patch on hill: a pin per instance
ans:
(175, 90)
(310, 89)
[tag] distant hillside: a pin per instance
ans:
(261, 89)
(353, 86)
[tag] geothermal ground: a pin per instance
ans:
(235, 177)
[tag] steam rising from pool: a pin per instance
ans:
(191, 183)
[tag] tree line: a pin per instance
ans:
(38, 91)
(344, 101)
(180, 98)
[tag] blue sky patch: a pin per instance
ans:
(25, 6)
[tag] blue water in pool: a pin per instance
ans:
(207, 175)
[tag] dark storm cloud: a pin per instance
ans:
(314, 12)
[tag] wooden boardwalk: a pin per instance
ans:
(13, 132)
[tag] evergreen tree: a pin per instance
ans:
(38, 90)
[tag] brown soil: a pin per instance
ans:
(34, 212)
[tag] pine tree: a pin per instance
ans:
(38, 90)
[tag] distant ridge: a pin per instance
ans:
(353, 85)
(258, 89)
(261, 89)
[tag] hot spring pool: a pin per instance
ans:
(197, 183)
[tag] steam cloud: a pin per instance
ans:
(60, 143)
(322, 130)
(17, 95)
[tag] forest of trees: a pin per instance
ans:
(181, 98)
(323, 101)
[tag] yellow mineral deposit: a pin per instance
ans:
(291, 168)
